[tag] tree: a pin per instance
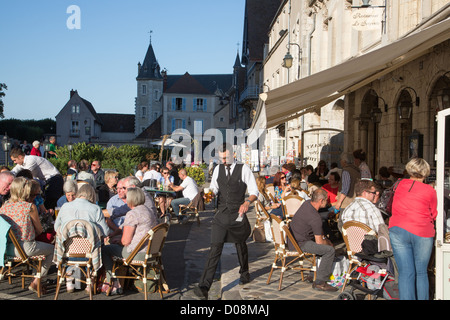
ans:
(2, 94)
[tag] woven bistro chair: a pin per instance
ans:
(291, 204)
(137, 269)
(271, 192)
(353, 233)
(289, 259)
(14, 265)
(78, 244)
(78, 254)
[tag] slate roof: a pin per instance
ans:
(259, 15)
(200, 83)
(153, 131)
(150, 69)
(116, 122)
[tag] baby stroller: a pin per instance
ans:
(375, 276)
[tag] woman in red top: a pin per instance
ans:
(332, 187)
(35, 150)
(411, 230)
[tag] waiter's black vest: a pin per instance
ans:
(232, 191)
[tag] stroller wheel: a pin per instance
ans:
(346, 296)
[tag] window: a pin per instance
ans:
(156, 95)
(221, 119)
(179, 104)
(144, 89)
(178, 124)
(144, 112)
(75, 128)
(199, 104)
(75, 109)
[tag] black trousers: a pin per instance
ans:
(53, 191)
(215, 253)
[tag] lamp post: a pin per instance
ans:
(6, 145)
(70, 147)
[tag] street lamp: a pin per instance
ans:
(404, 108)
(6, 145)
(443, 99)
(443, 96)
(287, 60)
(70, 147)
(376, 115)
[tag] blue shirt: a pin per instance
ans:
(84, 210)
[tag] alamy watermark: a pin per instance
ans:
(73, 22)
(188, 148)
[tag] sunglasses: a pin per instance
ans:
(165, 173)
(372, 192)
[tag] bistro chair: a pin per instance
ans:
(138, 269)
(289, 259)
(22, 265)
(78, 244)
(271, 192)
(353, 233)
(290, 204)
(194, 207)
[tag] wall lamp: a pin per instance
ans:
(378, 97)
(443, 96)
(417, 98)
(288, 58)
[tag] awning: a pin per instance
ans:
(284, 103)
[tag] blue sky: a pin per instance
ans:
(41, 59)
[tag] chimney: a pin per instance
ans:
(164, 75)
(72, 92)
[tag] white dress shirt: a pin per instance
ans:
(247, 177)
(40, 167)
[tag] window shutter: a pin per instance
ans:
(174, 102)
(204, 105)
(194, 104)
(184, 124)
(184, 104)
(173, 125)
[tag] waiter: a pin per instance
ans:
(230, 224)
(44, 171)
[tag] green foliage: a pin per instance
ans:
(124, 159)
(197, 174)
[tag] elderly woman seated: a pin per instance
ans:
(70, 189)
(82, 208)
(138, 221)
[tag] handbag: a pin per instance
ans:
(387, 198)
(258, 234)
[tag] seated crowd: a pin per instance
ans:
(37, 201)
(404, 235)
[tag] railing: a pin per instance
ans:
(251, 92)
